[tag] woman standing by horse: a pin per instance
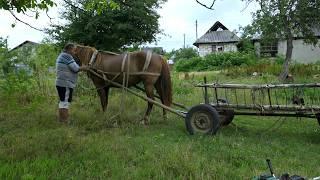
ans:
(67, 72)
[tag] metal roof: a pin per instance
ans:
(315, 30)
(217, 37)
(22, 44)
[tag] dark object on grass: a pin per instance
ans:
(285, 176)
(297, 100)
(226, 115)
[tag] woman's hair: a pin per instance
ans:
(68, 47)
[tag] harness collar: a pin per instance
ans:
(93, 58)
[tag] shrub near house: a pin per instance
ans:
(215, 61)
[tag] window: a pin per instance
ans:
(269, 49)
(213, 48)
(220, 48)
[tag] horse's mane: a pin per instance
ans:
(101, 51)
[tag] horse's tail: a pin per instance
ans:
(164, 82)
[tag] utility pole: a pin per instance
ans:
(196, 29)
(184, 41)
(197, 35)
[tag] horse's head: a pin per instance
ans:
(82, 54)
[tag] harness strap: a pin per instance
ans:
(93, 57)
(124, 62)
(147, 62)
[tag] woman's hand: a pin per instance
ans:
(84, 68)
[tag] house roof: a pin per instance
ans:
(214, 35)
(22, 44)
(315, 30)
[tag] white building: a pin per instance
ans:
(217, 39)
(301, 52)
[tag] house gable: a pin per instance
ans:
(216, 27)
(24, 44)
(217, 39)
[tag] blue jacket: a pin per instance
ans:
(67, 71)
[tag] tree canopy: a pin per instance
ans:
(285, 20)
(23, 6)
(279, 19)
(132, 22)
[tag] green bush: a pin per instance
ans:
(185, 53)
(186, 65)
(215, 61)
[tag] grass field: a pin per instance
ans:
(96, 145)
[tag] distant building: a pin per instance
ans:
(158, 50)
(25, 46)
(171, 61)
(301, 52)
(217, 39)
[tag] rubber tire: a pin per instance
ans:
(210, 114)
(225, 116)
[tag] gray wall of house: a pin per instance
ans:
(302, 52)
(205, 49)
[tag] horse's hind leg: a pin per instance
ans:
(149, 92)
(158, 88)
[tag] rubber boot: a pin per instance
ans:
(63, 115)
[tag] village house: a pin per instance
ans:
(217, 39)
(25, 46)
(301, 52)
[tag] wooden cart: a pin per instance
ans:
(223, 101)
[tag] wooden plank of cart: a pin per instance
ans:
(223, 101)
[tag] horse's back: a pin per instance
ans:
(135, 60)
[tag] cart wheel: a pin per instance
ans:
(225, 116)
(203, 119)
(318, 118)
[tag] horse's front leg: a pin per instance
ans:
(103, 94)
(106, 90)
(149, 92)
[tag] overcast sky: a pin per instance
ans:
(178, 17)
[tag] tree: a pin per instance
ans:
(133, 22)
(284, 20)
(23, 6)
(4, 56)
(32, 8)
(185, 53)
(205, 5)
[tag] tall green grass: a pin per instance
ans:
(113, 145)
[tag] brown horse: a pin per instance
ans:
(150, 69)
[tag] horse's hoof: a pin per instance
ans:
(144, 121)
(165, 118)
